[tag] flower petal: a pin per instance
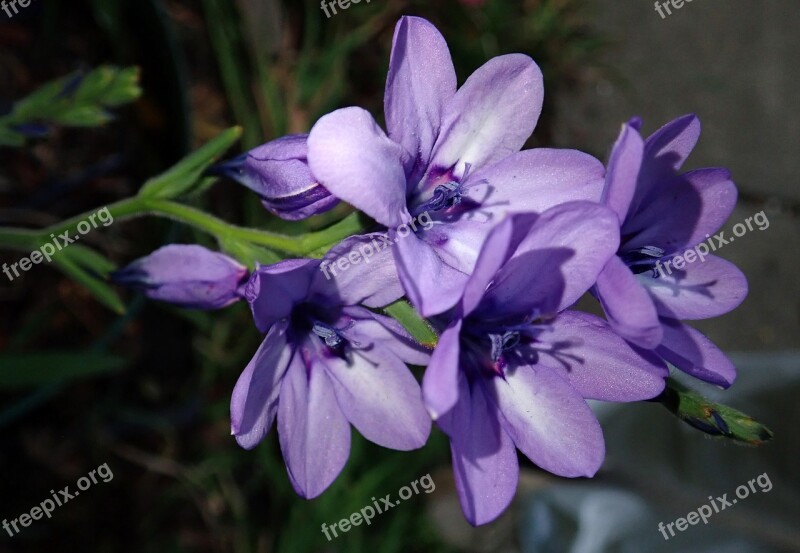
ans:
(432, 285)
(274, 290)
(492, 115)
(535, 180)
(627, 304)
(370, 328)
(254, 402)
(485, 462)
(598, 363)
(360, 269)
(440, 382)
(380, 397)
(694, 354)
(314, 433)
(556, 263)
(623, 171)
(700, 290)
(421, 80)
(549, 421)
(689, 208)
(352, 157)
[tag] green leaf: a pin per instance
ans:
(247, 253)
(9, 137)
(712, 418)
(98, 288)
(90, 259)
(418, 327)
(27, 370)
(183, 176)
(83, 116)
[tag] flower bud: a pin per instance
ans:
(278, 172)
(186, 275)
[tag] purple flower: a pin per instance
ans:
(514, 367)
(452, 154)
(327, 363)
(662, 214)
(278, 172)
(185, 275)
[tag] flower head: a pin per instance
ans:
(661, 214)
(453, 154)
(328, 362)
(514, 367)
(186, 275)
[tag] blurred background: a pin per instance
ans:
(147, 392)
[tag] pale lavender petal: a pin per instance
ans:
(701, 290)
(432, 285)
(360, 269)
(485, 464)
(354, 159)
(440, 382)
(274, 290)
(535, 180)
(549, 421)
(694, 354)
(623, 171)
(421, 80)
(492, 115)
(689, 208)
(556, 263)
(254, 402)
(186, 275)
(598, 363)
(628, 305)
(314, 433)
(362, 326)
(380, 397)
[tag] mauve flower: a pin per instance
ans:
(662, 214)
(278, 172)
(452, 154)
(186, 275)
(514, 367)
(326, 363)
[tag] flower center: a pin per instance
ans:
(643, 259)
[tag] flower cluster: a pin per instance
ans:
(516, 238)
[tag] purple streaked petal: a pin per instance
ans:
(492, 115)
(535, 180)
(556, 263)
(421, 80)
(274, 290)
(700, 290)
(696, 355)
(432, 285)
(370, 328)
(628, 305)
(688, 209)
(314, 433)
(440, 382)
(598, 363)
(549, 421)
(354, 159)
(665, 152)
(254, 402)
(186, 275)
(380, 397)
(485, 464)
(623, 171)
(369, 275)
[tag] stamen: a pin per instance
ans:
(503, 342)
(643, 259)
(330, 335)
